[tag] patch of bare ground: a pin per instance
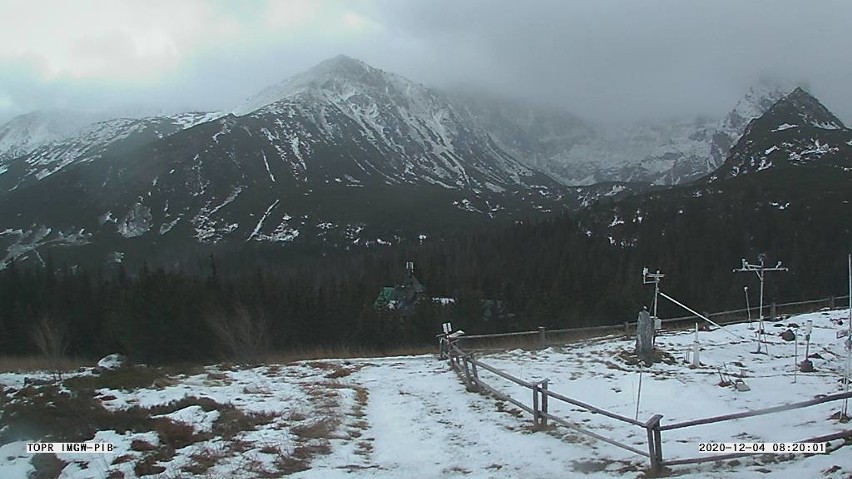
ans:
(46, 466)
(630, 358)
(74, 415)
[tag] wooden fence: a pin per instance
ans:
(466, 364)
(542, 337)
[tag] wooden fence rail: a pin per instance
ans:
(467, 366)
(735, 455)
(594, 409)
(758, 412)
(542, 333)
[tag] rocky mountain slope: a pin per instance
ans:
(343, 155)
(25, 133)
(783, 187)
(49, 154)
(577, 152)
(797, 131)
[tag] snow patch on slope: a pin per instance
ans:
(136, 222)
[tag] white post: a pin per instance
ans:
(809, 327)
(795, 355)
(695, 347)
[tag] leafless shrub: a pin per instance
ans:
(51, 339)
(245, 336)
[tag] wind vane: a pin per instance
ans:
(760, 270)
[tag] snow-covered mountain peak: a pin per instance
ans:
(338, 79)
(796, 131)
(755, 103)
(27, 132)
(803, 109)
(341, 65)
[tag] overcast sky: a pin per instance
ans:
(601, 59)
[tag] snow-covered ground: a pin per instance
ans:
(412, 417)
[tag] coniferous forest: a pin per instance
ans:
(571, 270)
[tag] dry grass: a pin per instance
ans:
(334, 370)
(365, 448)
(343, 352)
(204, 460)
(175, 434)
(232, 421)
(29, 364)
(49, 413)
(321, 429)
(126, 379)
(141, 445)
(148, 466)
(294, 416)
(287, 465)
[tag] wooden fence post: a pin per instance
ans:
(543, 420)
(542, 337)
(474, 372)
(772, 311)
(831, 302)
(655, 446)
(467, 380)
(536, 410)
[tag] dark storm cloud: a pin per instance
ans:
(601, 59)
(630, 58)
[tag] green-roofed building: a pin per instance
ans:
(402, 297)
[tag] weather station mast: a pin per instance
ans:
(760, 270)
(653, 278)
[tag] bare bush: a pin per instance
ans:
(52, 340)
(244, 336)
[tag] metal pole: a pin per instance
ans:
(656, 293)
(638, 395)
(748, 308)
(760, 331)
(848, 345)
(705, 318)
(760, 270)
(760, 275)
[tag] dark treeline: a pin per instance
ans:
(157, 316)
(567, 271)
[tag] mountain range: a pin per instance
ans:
(347, 155)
